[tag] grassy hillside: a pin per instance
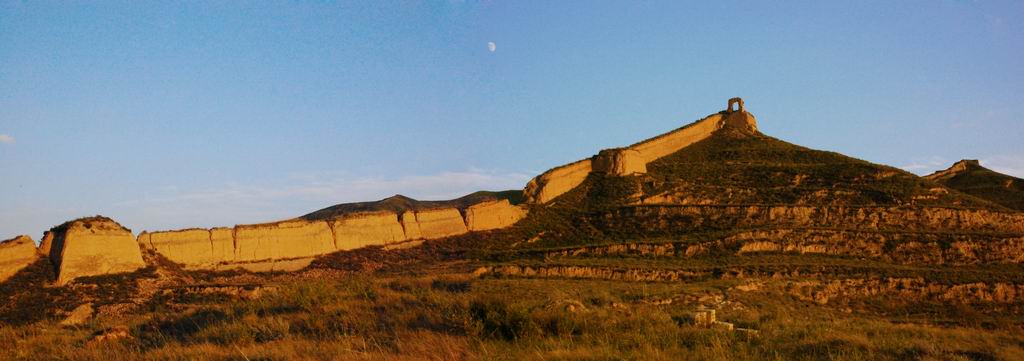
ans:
(734, 167)
(730, 168)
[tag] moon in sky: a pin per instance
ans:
(492, 46)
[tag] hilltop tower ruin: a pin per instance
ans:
(736, 101)
(633, 159)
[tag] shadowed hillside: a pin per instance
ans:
(970, 177)
(724, 183)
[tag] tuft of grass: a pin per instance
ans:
(496, 318)
(409, 317)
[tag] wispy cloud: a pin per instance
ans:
(6, 139)
(238, 203)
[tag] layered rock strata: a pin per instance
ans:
(813, 289)
(888, 246)
(823, 292)
(725, 217)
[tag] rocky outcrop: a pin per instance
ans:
(245, 292)
(79, 315)
(493, 215)
(93, 246)
(811, 289)
(898, 247)
(585, 272)
(762, 246)
(634, 159)
(923, 248)
(823, 292)
(705, 217)
(15, 254)
(637, 249)
(269, 265)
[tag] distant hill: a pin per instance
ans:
(399, 203)
(970, 177)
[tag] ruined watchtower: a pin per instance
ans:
(634, 159)
(738, 118)
(738, 101)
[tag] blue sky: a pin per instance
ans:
(167, 115)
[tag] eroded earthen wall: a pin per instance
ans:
(554, 182)
(222, 242)
(668, 143)
(282, 240)
(372, 229)
(410, 226)
(440, 223)
(633, 159)
(191, 246)
(96, 249)
(16, 254)
(493, 215)
(619, 162)
(45, 243)
(268, 246)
